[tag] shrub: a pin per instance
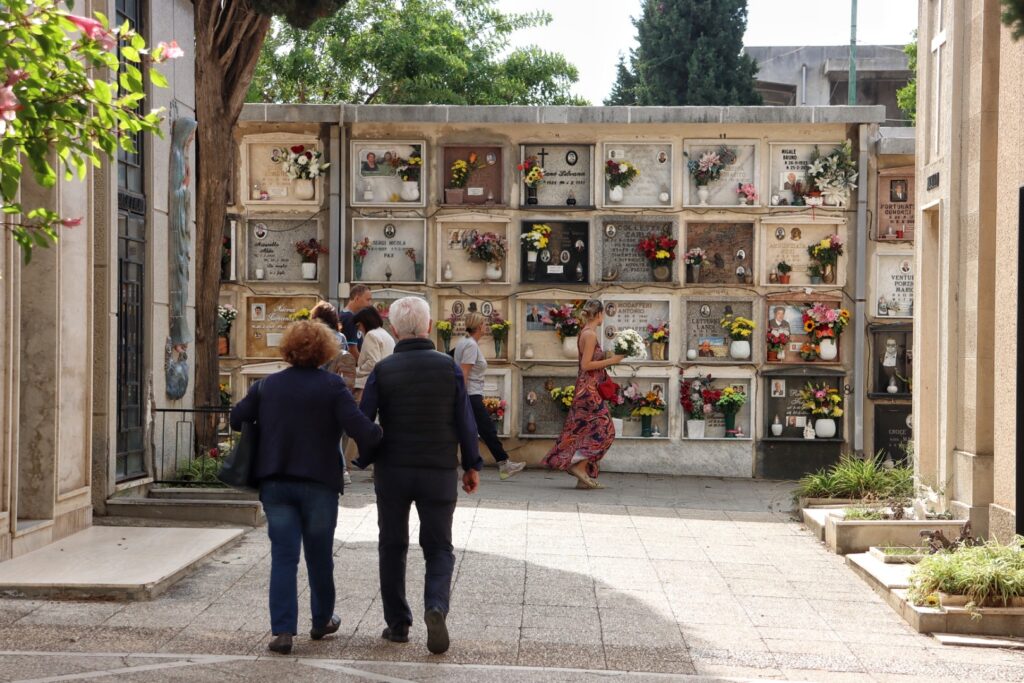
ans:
(201, 470)
(988, 574)
(870, 514)
(854, 477)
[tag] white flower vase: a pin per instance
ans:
(702, 194)
(309, 270)
(617, 422)
(569, 348)
(304, 189)
(695, 429)
(616, 194)
(828, 349)
(824, 428)
(777, 429)
(742, 200)
(493, 272)
(739, 350)
(410, 191)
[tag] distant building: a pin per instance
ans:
(816, 75)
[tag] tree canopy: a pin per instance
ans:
(906, 97)
(412, 52)
(624, 90)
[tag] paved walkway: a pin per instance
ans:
(653, 579)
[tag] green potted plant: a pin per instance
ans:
(784, 272)
(729, 403)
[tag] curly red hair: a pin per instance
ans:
(309, 344)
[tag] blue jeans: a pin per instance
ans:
(306, 513)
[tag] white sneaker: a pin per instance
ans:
(346, 478)
(507, 468)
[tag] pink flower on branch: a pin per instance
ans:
(94, 30)
(165, 51)
(9, 105)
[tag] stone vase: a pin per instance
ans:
(617, 423)
(309, 270)
(658, 350)
(702, 194)
(827, 349)
(304, 189)
(410, 190)
(616, 194)
(828, 275)
(739, 350)
(661, 273)
(453, 195)
(493, 272)
(695, 429)
(825, 428)
(569, 348)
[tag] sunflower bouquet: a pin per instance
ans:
(822, 400)
(823, 322)
(827, 251)
(564, 396)
(648, 405)
(533, 172)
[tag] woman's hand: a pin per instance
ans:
(617, 358)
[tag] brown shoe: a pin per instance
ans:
(281, 644)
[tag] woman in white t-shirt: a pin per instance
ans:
(471, 359)
(377, 345)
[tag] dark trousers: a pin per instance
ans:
(435, 493)
(485, 428)
(300, 513)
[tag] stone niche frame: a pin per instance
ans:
(385, 185)
(892, 429)
(258, 167)
(403, 270)
(265, 318)
(562, 163)
(460, 306)
(893, 282)
(895, 206)
(384, 297)
(498, 383)
(782, 397)
(903, 335)
(252, 373)
(797, 233)
(715, 427)
(617, 307)
(787, 158)
(719, 341)
(270, 246)
(486, 185)
(646, 381)
(795, 304)
(563, 255)
(729, 251)
(546, 346)
(548, 417)
(656, 179)
(746, 169)
(464, 270)
(616, 239)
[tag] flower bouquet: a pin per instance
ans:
(740, 330)
(809, 351)
(834, 174)
(303, 164)
(533, 240)
(499, 333)
(694, 259)
(444, 331)
(564, 396)
(417, 267)
(647, 406)
(630, 344)
(777, 339)
(826, 255)
(565, 321)
(300, 314)
(657, 337)
(660, 252)
(359, 252)
(824, 325)
(409, 170)
(825, 403)
(310, 249)
(729, 403)
(488, 247)
(698, 399)
(708, 168)
(226, 315)
(747, 194)
(495, 407)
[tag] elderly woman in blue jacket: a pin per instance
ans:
(301, 413)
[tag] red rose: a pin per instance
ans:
(298, 149)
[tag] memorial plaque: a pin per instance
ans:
(376, 168)
(486, 181)
(893, 430)
(704, 333)
(895, 205)
(714, 424)
(568, 176)
(454, 262)
(789, 162)
(893, 349)
(566, 260)
(782, 400)
(653, 186)
(538, 339)
(382, 300)
(620, 260)
(632, 314)
(722, 192)
(266, 318)
(894, 285)
(789, 317)
(266, 182)
(789, 241)
(539, 414)
(396, 251)
(730, 252)
(270, 248)
(456, 309)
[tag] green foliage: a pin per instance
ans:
(863, 514)
(906, 97)
(412, 52)
(854, 477)
(690, 54)
(298, 13)
(65, 97)
(200, 470)
(624, 90)
(988, 574)
(1013, 17)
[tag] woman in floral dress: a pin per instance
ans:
(588, 432)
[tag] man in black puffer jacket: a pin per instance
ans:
(420, 396)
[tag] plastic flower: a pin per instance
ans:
(94, 30)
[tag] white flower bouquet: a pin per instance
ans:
(303, 164)
(630, 344)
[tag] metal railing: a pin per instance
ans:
(189, 444)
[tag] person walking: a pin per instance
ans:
(588, 432)
(474, 366)
(420, 396)
(325, 312)
(377, 344)
(301, 413)
(359, 297)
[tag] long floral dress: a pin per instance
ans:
(588, 428)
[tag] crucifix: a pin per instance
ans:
(541, 154)
(938, 40)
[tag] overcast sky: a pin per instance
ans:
(592, 33)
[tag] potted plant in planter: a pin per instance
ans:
(826, 255)
(832, 176)
(310, 250)
(567, 327)
(619, 175)
(359, 251)
(489, 247)
(777, 339)
(708, 168)
(304, 166)
(499, 333)
(533, 176)
(226, 314)
(747, 194)
(533, 240)
(660, 252)
(729, 403)
(824, 325)
(409, 171)
(825, 403)
(784, 272)
(657, 337)
(698, 399)
(694, 259)
(740, 330)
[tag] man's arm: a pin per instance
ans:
(368, 406)
(465, 424)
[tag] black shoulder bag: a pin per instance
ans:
(238, 469)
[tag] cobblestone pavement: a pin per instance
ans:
(653, 579)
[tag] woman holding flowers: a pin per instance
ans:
(588, 432)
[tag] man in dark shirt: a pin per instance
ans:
(359, 297)
(420, 396)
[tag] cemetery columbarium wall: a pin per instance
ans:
(414, 231)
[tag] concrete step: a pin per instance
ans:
(183, 493)
(245, 512)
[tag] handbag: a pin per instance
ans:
(238, 469)
(608, 389)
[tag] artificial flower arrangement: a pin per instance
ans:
(620, 173)
(225, 395)
(495, 407)
(648, 405)
(835, 172)
(226, 315)
(748, 192)
(536, 238)
(411, 253)
(462, 169)
(409, 170)
(564, 396)
(657, 334)
(660, 250)
(499, 327)
(822, 400)
(824, 322)
(730, 401)
(565, 320)
(827, 251)
(488, 247)
(444, 330)
(360, 249)
(737, 327)
(710, 165)
(310, 249)
(618, 405)
(695, 257)
(533, 172)
(777, 338)
(630, 344)
(303, 164)
(808, 351)
(698, 397)
(301, 314)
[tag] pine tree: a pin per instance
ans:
(689, 53)
(624, 90)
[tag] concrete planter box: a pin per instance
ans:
(949, 600)
(909, 558)
(857, 536)
(831, 502)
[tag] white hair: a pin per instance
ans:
(410, 316)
